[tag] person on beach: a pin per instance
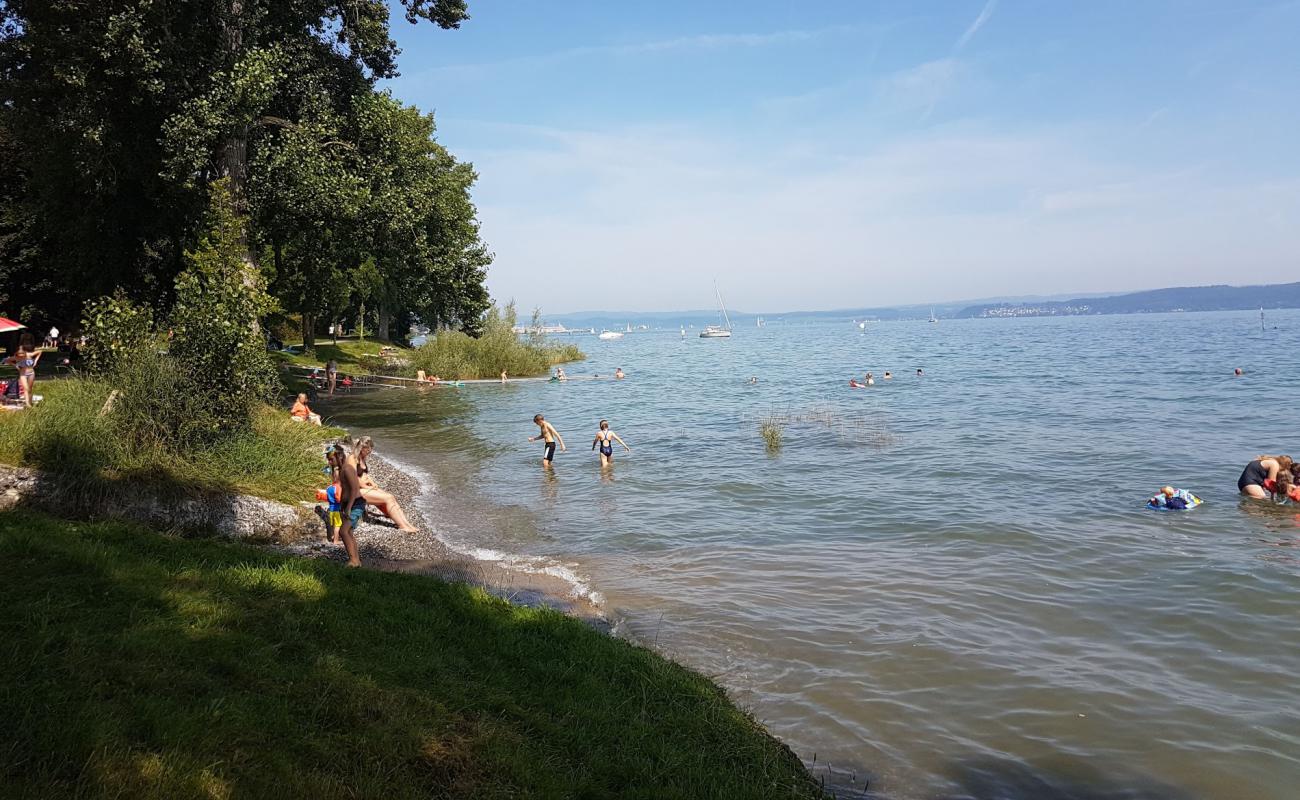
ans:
(25, 359)
(331, 374)
(1257, 472)
(550, 436)
(345, 470)
(503, 376)
(618, 374)
(605, 438)
(375, 496)
(302, 412)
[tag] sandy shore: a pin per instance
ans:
(384, 547)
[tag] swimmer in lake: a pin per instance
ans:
(1259, 472)
(618, 373)
(870, 379)
(919, 372)
(550, 436)
(753, 380)
(1238, 372)
(606, 438)
(889, 376)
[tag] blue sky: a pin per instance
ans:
(813, 155)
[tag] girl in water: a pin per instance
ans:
(606, 438)
(1263, 468)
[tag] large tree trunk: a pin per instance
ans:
(234, 151)
(385, 319)
(308, 331)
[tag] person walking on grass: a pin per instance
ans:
(24, 360)
(550, 436)
(606, 438)
(354, 504)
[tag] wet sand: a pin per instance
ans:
(385, 547)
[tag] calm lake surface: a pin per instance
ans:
(944, 584)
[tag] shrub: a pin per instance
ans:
(219, 300)
(452, 354)
(117, 330)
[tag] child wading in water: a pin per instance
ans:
(606, 438)
(549, 435)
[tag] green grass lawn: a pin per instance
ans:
(143, 666)
(348, 353)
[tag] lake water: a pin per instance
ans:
(946, 585)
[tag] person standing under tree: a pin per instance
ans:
(331, 374)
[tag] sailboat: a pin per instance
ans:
(932, 316)
(717, 331)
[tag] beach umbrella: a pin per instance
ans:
(7, 325)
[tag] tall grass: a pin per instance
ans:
(92, 450)
(772, 430)
(451, 354)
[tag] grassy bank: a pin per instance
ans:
(352, 355)
(138, 665)
(67, 435)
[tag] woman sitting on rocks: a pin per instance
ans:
(375, 496)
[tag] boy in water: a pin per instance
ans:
(353, 503)
(606, 438)
(549, 435)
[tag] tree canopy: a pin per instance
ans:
(117, 117)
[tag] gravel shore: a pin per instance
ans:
(385, 547)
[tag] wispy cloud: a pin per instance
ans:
(697, 42)
(975, 26)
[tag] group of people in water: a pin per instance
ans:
(870, 380)
(1271, 477)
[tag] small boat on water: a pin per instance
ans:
(933, 318)
(607, 335)
(718, 331)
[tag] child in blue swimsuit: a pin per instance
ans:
(606, 438)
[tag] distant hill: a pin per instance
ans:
(1188, 298)
(1185, 298)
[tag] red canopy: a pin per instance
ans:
(7, 325)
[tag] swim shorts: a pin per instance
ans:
(550, 451)
(358, 511)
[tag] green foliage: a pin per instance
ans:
(103, 451)
(117, 330)
(214, 322)
(143, 666)
(116, 117)
(453, 354)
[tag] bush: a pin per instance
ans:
(214, 321)
(452, 354)
(116, 331)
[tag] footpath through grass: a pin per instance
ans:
(143, 666)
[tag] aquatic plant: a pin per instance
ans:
(772, 429)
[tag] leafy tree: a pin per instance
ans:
(115, 117)
(214, 319)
